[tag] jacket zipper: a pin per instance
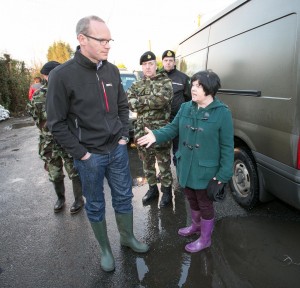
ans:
(104, 93)
(105, 97)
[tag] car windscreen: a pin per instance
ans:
(127, 80)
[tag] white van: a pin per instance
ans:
(254, 46)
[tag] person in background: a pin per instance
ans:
(37, 83)
(151, 98)
(88, 115)
(181, 90)
(54, 156)
(206, 151)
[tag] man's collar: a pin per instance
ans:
(99, 65)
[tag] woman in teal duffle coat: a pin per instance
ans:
(206, 151)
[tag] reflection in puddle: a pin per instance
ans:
(185, 265)
(142, 268)
(139, 181)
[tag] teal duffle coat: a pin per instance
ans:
(206, 143)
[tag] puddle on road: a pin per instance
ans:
(245, 252)
(252, 251)
(19, 125)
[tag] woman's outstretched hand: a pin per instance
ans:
(148, 139)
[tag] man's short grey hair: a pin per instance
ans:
(83, 24)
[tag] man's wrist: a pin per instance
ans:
(126, 139)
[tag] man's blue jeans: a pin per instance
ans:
(115, 168)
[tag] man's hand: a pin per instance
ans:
(86, 156)
(122, 142)
(148, 139)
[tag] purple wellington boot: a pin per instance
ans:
(195, 226)
(205, 239)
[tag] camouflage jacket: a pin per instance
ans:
(36, 108)
(151, 99)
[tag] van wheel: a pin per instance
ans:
(244, 183)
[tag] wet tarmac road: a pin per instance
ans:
(41, 249)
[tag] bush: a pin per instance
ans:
(15, 80)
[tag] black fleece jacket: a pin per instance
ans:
(181, 90)
(87, 109)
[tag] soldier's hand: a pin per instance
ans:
(148, 139)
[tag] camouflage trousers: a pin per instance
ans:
(162, 156)
(55, 159)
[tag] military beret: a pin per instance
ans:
(48, 67)
(215, 191)
(168, 53)
(147, 56)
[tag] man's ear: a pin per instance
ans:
(81, 39)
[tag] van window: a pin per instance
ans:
(234, 59)
(195, 43)
(194, 62)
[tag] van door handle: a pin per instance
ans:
(255, 93)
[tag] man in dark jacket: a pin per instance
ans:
(88, 115)
(181, 89)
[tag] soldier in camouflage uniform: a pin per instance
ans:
(52, 153)
(151, 99)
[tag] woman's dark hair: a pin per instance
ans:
(209, 80)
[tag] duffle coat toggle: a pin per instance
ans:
(191, 147)
(194, 128)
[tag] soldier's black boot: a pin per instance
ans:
(60, 192)
(151, 194)
(166, 198)
(77, 191)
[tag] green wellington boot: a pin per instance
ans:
(125, 227)
(107, 258)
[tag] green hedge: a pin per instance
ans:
(15, 80)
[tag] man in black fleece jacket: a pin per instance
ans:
(181, 89)
(88, 113)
